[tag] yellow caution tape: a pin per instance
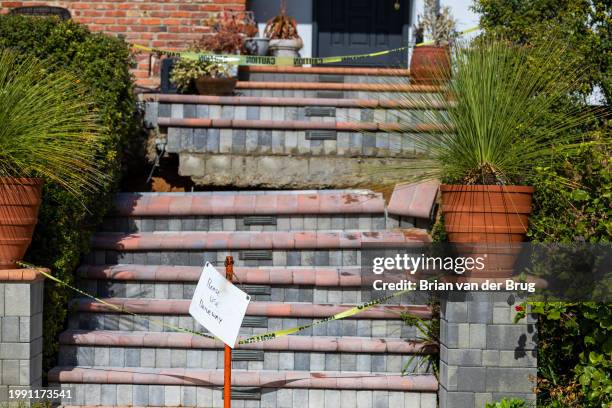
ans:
(234, 59)
(338, 316)
(156, 322)
(249, 340)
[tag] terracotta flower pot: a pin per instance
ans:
(430, 64)
(20, 200)
(215, 86)
(489, 220)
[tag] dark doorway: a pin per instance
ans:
(344, 27)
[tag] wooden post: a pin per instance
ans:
(227, 367)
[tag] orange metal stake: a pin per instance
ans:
(227, 367)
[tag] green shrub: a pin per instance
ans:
(569, 333)
(585, 26)
(574, 214)
(507, 403)
(65, 224)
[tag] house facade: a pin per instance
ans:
(328, 28)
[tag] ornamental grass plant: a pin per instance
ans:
(499, 119)
(48, 126)
(48, 131)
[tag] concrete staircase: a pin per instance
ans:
(297, 254)
(293, 127)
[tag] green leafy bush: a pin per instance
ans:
(569, 334)
(507, 403)
(574, 354)
(102, 64)
(581, 213)
(584, 25)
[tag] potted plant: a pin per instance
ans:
(282, 32)
(498, 126)
(254, 44)
(229, 32)
(428, 61)
(49, 132)
(207, 77)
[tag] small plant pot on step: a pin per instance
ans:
(215, 86)
(286, 48)
(20, 200)
(487, 219)
(257, 45)
(430, 64)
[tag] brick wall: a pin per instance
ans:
(172, 24)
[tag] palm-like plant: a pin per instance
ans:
(48, 126)
(499, 119)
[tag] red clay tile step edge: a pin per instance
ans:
(281, 240)
(255, 308)
(241, 378)
(329, 344)
(156, 204)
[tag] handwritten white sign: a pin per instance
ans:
(218, 305)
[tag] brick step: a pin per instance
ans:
(326, 146)
(251, 107)
(243, 378)
(280, 275)
(410, 113)
(242, 359)
(297, 125)
(352, 71)
(319, 344)
(325, 74)
(179, 387)
(255, 308)
(113, 395)
(337, 86)
(231, 223)
(287, 170)
(250, 203)
(276, 293)
(254, 258)
(252, 325)
(337, 94)
(325, 78)
(264, 240)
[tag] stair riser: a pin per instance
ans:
(213, 359)
(175, 395)
(345, 327)
(349, 257)
(278, 293)
(316, 78)
(300, 113)
(283, 171)
(237, 223)
(306, 93)
(292, 142)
